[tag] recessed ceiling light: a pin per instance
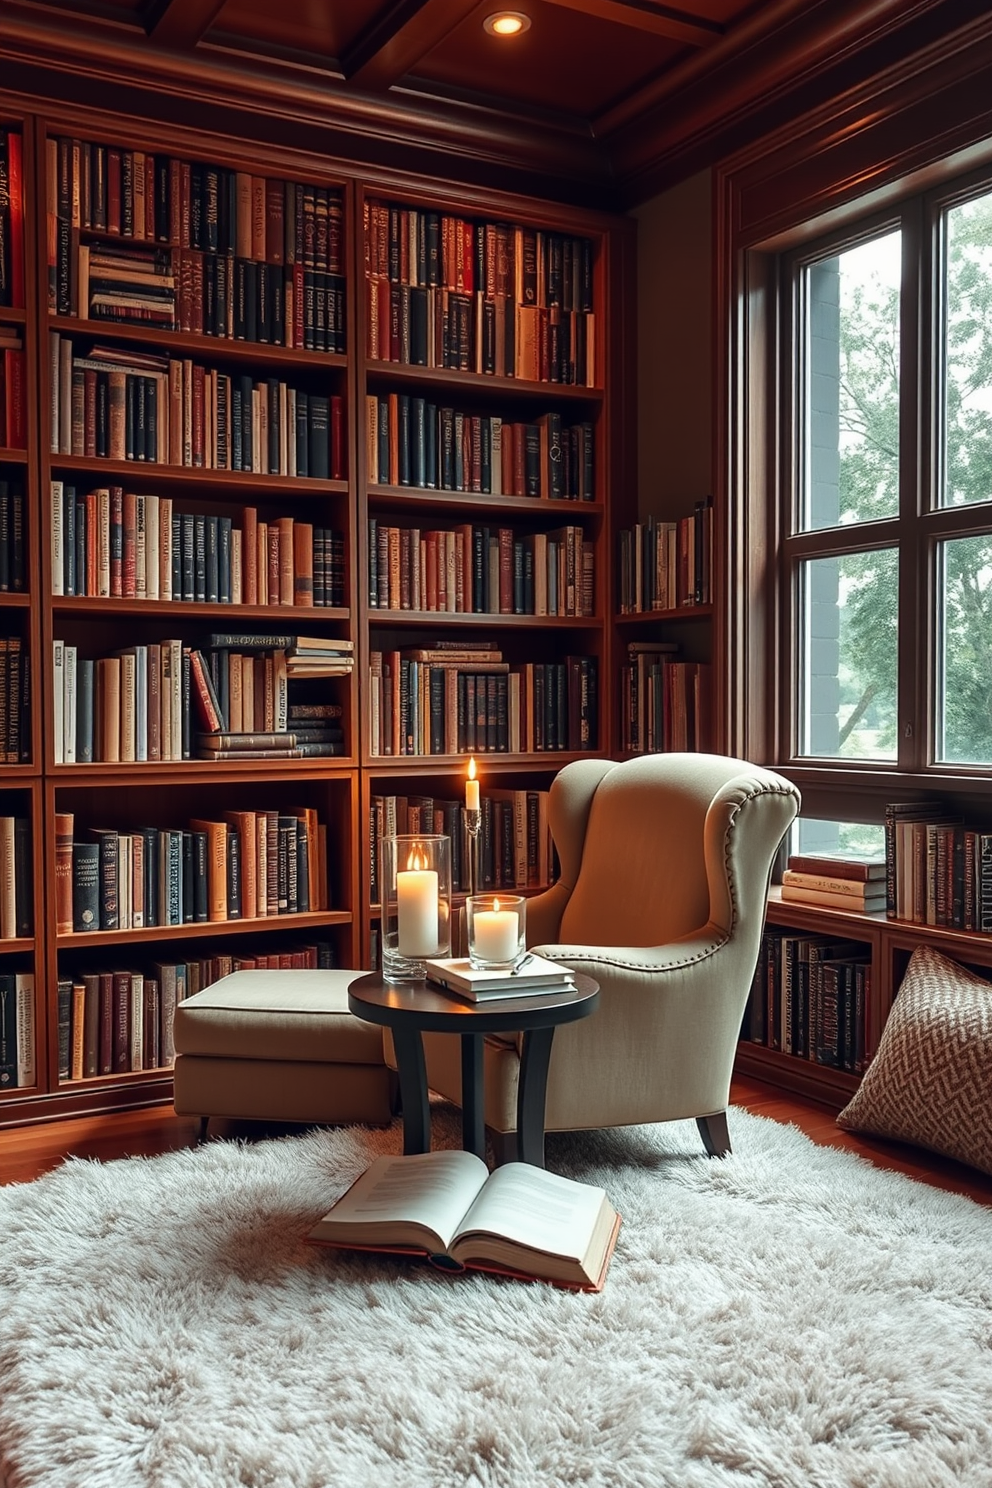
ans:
(506, 23)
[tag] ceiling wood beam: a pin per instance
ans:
(180, 23)
(640, 15)
(398, 38)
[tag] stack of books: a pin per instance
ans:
(533, 977)
(852, 882)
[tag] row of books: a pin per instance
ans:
(515, 846)
(15, 701)
(938, 870)
(809, 998)
(490, 297)
(413, 442)
(13, 544)
(420, 246)
(207, 294)
(154, 702)
(118, 404)
(11, 218)
(13, 390)
(121, 1020)
(427, 327)
(665, 704)
(665, 565)
(17, 1030)
(249, 865)
(113, 543)
(477, 569)
(424, 702)
(16, 915)
(158, 198)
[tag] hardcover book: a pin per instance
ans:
(534, 974)
(448, 1208)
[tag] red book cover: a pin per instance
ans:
(92, 543)
(275, 224)
(130, 558)
(203, 694)
(15, 178)
(15, 404)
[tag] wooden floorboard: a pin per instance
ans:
(28, 1151)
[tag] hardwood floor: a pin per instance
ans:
(27, 1152)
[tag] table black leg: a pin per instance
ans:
(413, 1089)
(473, 1100)
(531, 1092)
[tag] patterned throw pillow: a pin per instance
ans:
(931, 1080)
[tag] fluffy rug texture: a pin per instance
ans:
(788, 1316)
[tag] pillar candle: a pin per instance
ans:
(416, 908)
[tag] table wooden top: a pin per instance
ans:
(430, 1007)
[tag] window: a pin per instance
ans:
(885, 633)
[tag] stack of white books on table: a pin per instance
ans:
(532, 976)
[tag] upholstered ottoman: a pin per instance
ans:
(280, 1046)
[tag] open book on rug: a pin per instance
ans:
(446, 1206)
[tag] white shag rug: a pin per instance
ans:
(788, 1316)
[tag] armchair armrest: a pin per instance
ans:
(613, 964)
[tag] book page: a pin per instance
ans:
(414, 1200)
(537, 1210)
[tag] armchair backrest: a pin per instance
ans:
(645, 845)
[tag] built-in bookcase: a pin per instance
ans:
(488, 475)
(235, 435)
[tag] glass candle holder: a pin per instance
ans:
(497, 930)
(415, 879)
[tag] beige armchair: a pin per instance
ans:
(665, 865)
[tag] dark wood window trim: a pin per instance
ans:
(912, 132)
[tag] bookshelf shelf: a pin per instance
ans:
(15, 601)
(427, 764)
(197, 478)
(683, 612)
(17, 946)
(13, 456)
(487, 619)
(398, 497)
(279, 618)
(12, 315)
(213, 348)
(289, 923)
(495, 389)
(196, 772)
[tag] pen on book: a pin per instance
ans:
(521, 964)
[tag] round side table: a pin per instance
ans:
(411, 1009)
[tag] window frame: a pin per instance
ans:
(763, 382)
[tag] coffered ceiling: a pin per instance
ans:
(599, 100)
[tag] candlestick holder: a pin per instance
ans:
(415, 880)
(473, 823)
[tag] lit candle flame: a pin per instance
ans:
(417, 861)
(471, 767)
(495, 906)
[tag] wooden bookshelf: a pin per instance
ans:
(473, 498)
(170, 793)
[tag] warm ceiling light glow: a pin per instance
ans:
(506, 23)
